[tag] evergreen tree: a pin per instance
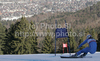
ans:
(87, 31)
(94, 34)
(84, 38)
(20, 39)
(73, 44)
(2, 37)
(32, 39)
(98, 42)
(48, 44)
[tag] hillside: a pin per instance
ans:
(80, 20)
(88, 17)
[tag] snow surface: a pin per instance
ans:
(47, 57)
(15, 18)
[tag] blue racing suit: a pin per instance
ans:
(92, 47)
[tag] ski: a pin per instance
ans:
(76, 57)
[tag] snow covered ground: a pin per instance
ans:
(47, 57)
(15, 18)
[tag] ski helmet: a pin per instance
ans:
(88, 36)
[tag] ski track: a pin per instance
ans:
(47, 57)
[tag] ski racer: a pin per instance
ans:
(91, 48)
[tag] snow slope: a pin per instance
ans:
(47, 57)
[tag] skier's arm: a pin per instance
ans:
(83, 43)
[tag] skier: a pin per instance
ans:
(91, 48)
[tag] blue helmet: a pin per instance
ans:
(88, 36)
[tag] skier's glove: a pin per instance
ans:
(79, 46)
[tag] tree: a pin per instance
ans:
(93, 33)
(32, 40)
(2, 37)
(83, 38)
(87, 31)
(98, 42)
(73, 44)
(98, 14)
(48, 44)
(20, 38)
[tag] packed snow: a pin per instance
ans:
(48, 57)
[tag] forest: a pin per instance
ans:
(20, 36)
